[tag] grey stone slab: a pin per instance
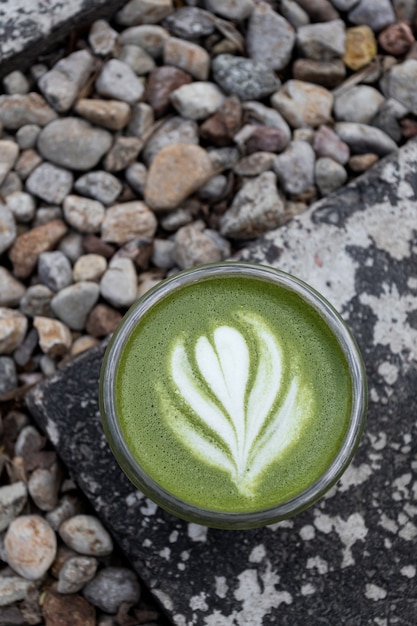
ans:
(29, 27)
(350, 559)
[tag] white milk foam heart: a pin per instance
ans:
(238, 423)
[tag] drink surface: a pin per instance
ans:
(233, 394)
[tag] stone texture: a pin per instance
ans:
(197, 100)
(26, 249)
(221, 127)
(295, 168)
(126, 221)
(118, 80)
(363, 138)
(9, 151)
(144, 12)
(269, 38)
(400, 84)
(162, 81)
(187, 56)
(374, 13)
(303, 104)
(112, 114)
(137, 58)
(67, 610)
(231, 9)
(124, 151)
(244, 78)
(73, 303)
(102, 38)
(360, 47)
(54, 336)
(326, 73)
(119, 283)
(50, 183)
(175, 173)
(30, 546)
(61, 85)
(322, 42)
(18, 110)
(396, 39)
(13, 498)
(7, 228)
(86, 535)
(358, 104)
(101, 186)
(175, 130)
(149, 37)
(11, 290)
(83, 214)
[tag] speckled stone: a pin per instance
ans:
(86, 535)
(30, 546)
(303, 104)
(244, 78)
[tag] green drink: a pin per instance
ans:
(233, 395)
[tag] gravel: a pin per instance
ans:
(166, 137)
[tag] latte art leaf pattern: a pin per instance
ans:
(242, 415)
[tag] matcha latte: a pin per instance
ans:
(233, 395)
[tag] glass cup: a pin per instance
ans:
(205, 516)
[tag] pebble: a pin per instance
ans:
(396, 39)
(359, 163)
(329, 175)
(173, 220)
(9, 152)
(93, 244)
(295, 168)
(327, 144)
(102, 38)
(26, 163)
(188, 56)
(138, 250)
(123, 222)
(197, 100)
(61, 85)
(11, 290)
(112, 114)
(23, 353)
(118, 285)
(162, 253)
(90, 267)
(30, 546)
(103, 320)
(27, 247)
(221, 127)
(72, 245)
(86, 535)
(358, 104)
(175, 130)
(27, 135)
(67, 610)
(36, 301)
(213, 189)
(67, 507)
(363, 138)
(14, 589)
(13, 327)
(72, 304)
(99, 185)
(123, 152)
(50, 183)
(54, 270)
(256, 208)
(231, 9)
(175, 173)
(83, 343)
(374, 13)
(162, 81)
(223, 158)
(323, 41)
(144, 12)
(76, 572)
(18, 110)
(344, 5)
(270, 37)
(54, 337)
(136, 177)
(83, 214)
(360, 47)
(13, 498)
(292, 12)
(319, 10)
(401, 84)
(7, 228)
(329, 74)
(244, 78)
(388, 118)
(11, 183)
(136, 58)
(303, 104)
(118, 80)
(43, 486)
(74, 143)
(16, 83)
(190, 22)
(193, 246)
(111, 587)
(8, 379)
(149, 37)
(254, 138)
(254, 164)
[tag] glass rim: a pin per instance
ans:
(210, 517)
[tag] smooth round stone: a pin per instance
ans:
(162, 253)
(7, 228)
(292, 12)
(256, 208)
(173, 220)
(102, 320)
(329, 74)
(118, 80)
(112, 114)
(136, 177)
(269, 38)
(295, 168)
(388, 118)
(18, 110)
(13, 327)
(303, 104)
(362, 138)
(360, 47)
(83, 214)
(54, 270)
(190, 22)
(136, 58)
(176, 172)
(111, 587)
(27, 135)
(26, 163)
(72, 304)
(396, 39)
(11, 183)
(13, 589)
(36, 301)
(124, 151)
(27, 247)
(74, 143)
(359, 163)
(54, 337)
(13, 498)
(11, 290)
(86, 535)
(374, 13)
(194, 246)
(30, 546)
(43, 486)
(148, 36)
(47, 214)
(101, 186)
(62, 83)
(254, 164)
(8, 382)
(126, 221)
(197, 100)
(244, 78)
(402, 84)
(9, 151)
(188, 56)
(90, 267)
(102, 38)
(76, 572)
(162, 81)
(72, 245)
(144, 12)
(50, 183)
(261, 139)
(119, 283)
(322, 42)
(83, 343)
(16, 83)
(175, 130)
(258, 113)
(329, 175)
(358, 104)
(23, 353)
(230, 9)
(214, 188)
(327, 144)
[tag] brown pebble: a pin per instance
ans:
(408, 127)
(67, 610)
(26, 249)
(94, 245)
(266, 139)
(396, 39)
(319, 10)
(221, 127)
(325, 73)
(162, 81)
(102, 320)
(124, 152)
(361, 162)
